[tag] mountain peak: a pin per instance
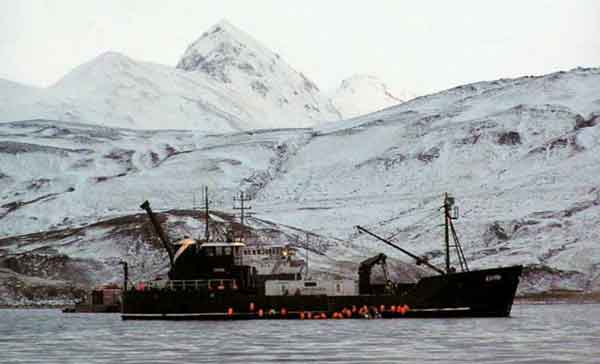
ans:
(220, 47)
(238, 62)
(111, 58)
(225, 26)
(362, 93)
(102, 66)
(360, 78)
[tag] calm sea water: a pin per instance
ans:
(534, 334)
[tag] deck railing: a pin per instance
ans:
(208, 284)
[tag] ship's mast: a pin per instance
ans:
(447, 231)
(206, 218)
(242, 209)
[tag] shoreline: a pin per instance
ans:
(558, 297)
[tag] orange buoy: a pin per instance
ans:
(353, 309)
(283, 311)
(301, 315)
(260, 312)
(221, 286)
(252, 307)
(393, 308)
(401, 309)
(230, 311)
(309, 315)
(323, 315)
(407, 308)
(381, 308)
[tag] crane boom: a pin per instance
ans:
(159, 231)
(417, 258)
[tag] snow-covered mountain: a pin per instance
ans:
(521, 156)
(226, 81)
(362, 94)
(281, 96)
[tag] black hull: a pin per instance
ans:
(482, 293)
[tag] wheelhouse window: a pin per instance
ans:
(227, 250)
(219, 250)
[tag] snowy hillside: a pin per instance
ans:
(363, 94)
(225, 82)
(521, 156)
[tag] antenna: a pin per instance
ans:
(307, 254)
(242, 208)
(206, 214)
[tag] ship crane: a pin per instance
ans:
(161, 234)
(364, 274)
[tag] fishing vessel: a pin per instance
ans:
(211, 280)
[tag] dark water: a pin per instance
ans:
(534, 334)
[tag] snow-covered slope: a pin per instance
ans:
(225, 82)
(363, 94)
(521, 156)
(16, 100)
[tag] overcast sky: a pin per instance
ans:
(420, 46)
